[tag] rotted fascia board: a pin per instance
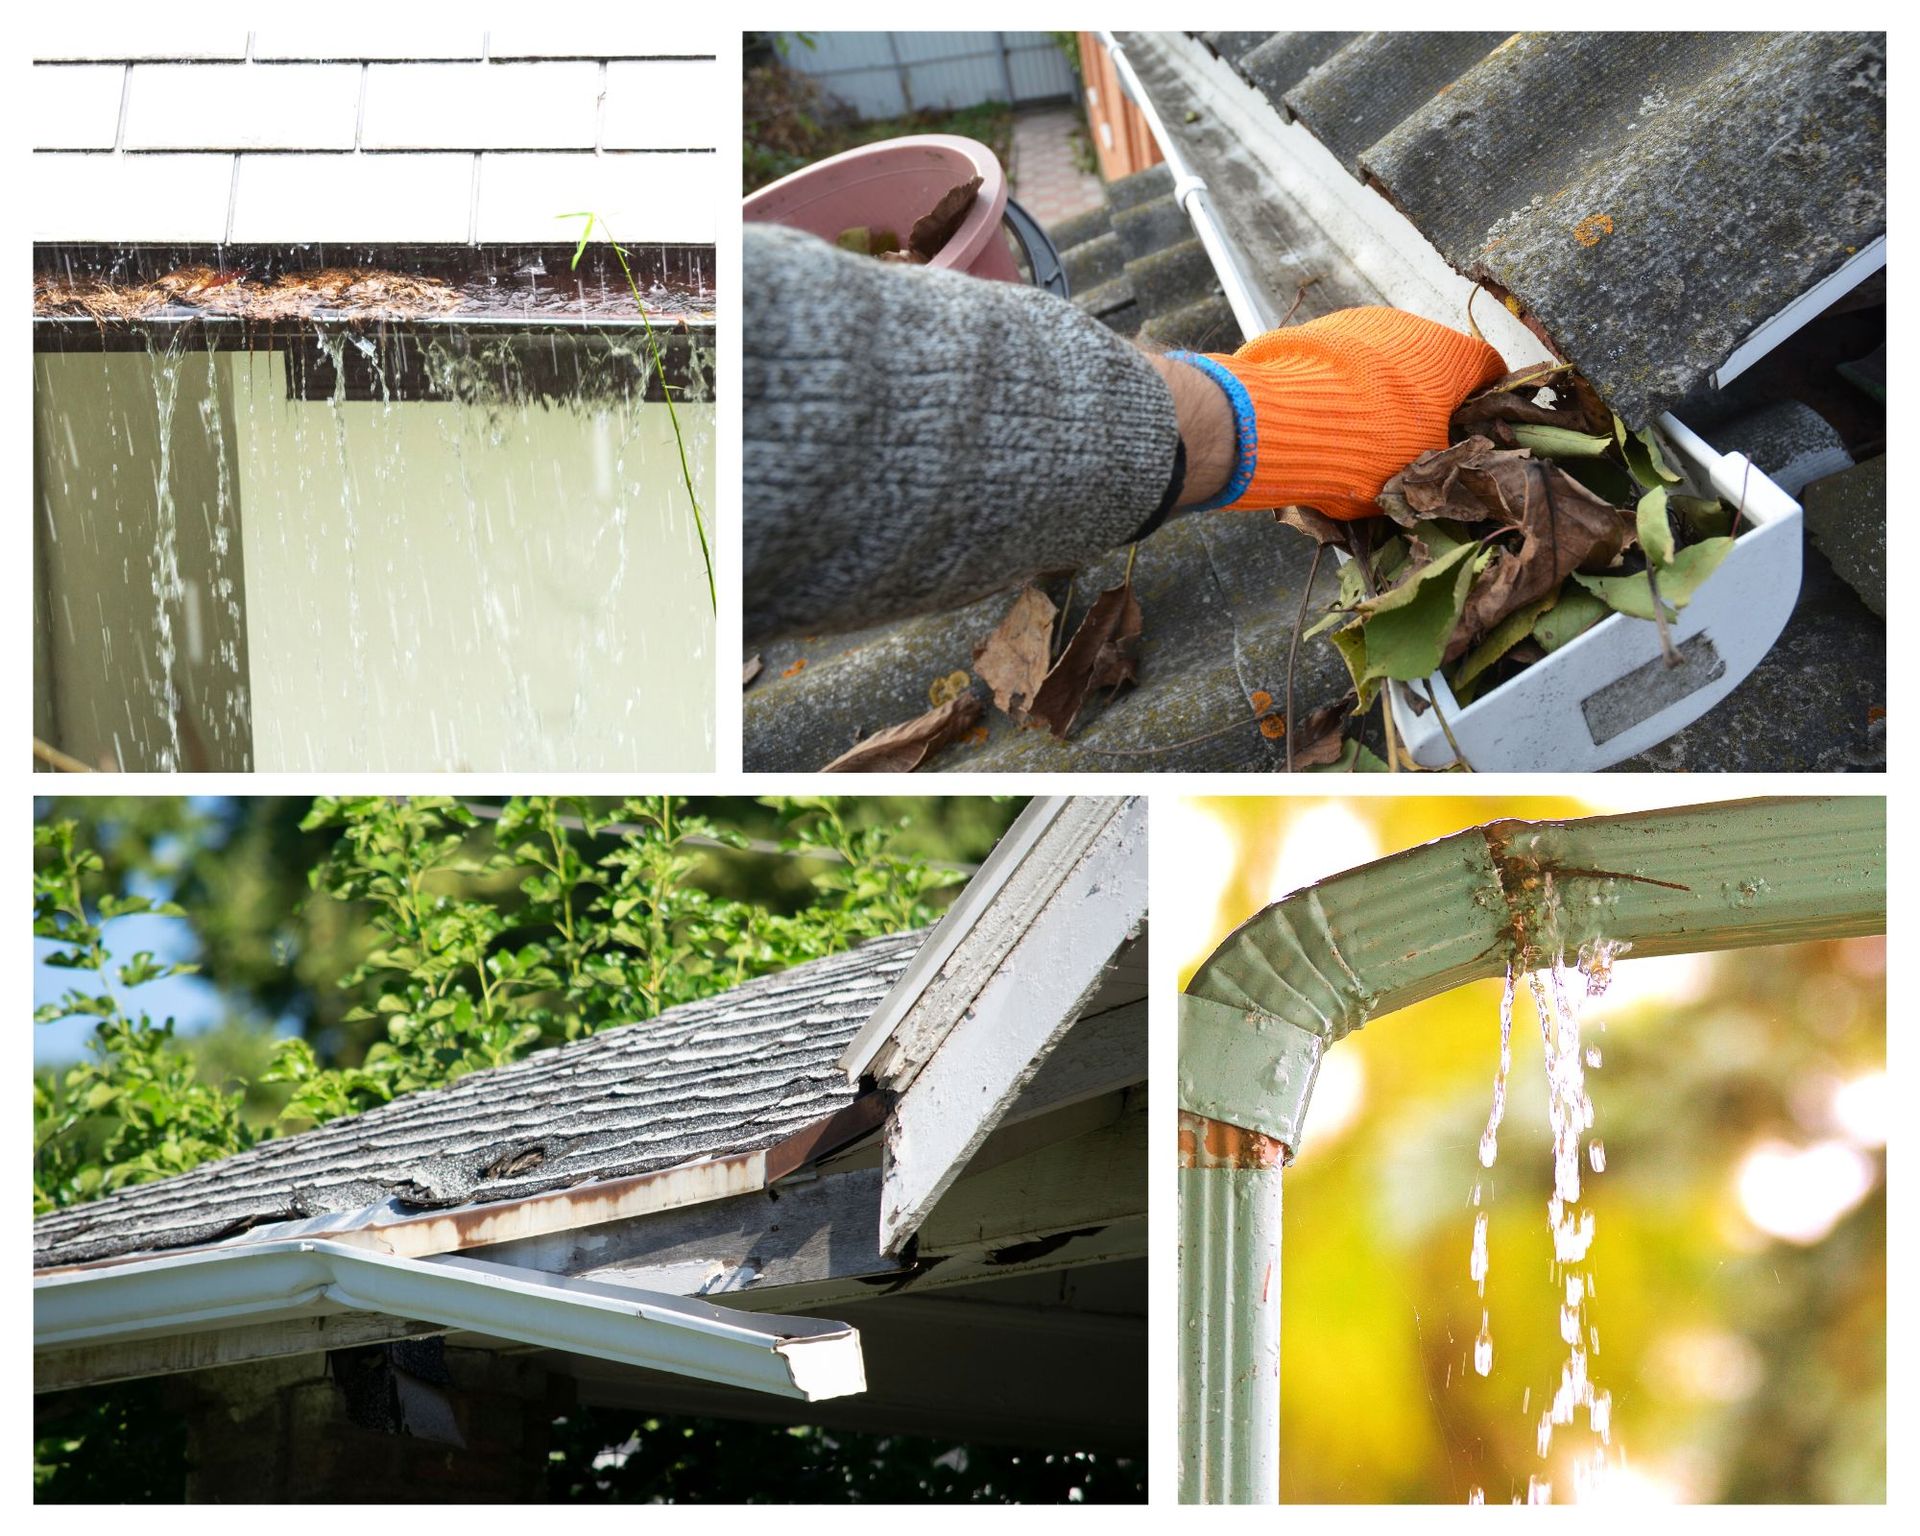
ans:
(999, 1036)
(1325, 960)
(805, 1358)
(1006, 857)
(1026, 893)
(408, 1233)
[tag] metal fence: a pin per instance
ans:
(887, 74)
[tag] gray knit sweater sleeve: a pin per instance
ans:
(915, 438)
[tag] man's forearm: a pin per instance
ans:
(1205, 422)
(914, 439)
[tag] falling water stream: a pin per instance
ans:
(493, 564)
(1560, 992)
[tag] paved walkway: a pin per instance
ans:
(1046, 180)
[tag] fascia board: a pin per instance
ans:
(795, 1357)
(1014, 846)
(1032, 998)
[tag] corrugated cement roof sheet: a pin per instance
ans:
(1218, 591)
(1649, 199)
(732, 1073)
(211, 134)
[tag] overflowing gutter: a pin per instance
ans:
(796, 1357)
(1301, 975)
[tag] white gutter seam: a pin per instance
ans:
(794, 1357)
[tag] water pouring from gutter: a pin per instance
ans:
(1291, 982)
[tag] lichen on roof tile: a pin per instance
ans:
(1650, 199)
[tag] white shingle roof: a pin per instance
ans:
(205, 133)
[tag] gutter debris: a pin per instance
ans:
(1545, 515)
(345, 293)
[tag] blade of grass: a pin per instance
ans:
(666, 389)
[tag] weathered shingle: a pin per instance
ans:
(731, 1073)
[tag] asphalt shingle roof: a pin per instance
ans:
(732, 1073)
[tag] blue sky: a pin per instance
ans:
(194, 1003)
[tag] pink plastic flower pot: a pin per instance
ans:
(888, 186)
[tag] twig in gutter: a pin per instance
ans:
(1301, 293)
(1433, 698)
(1293, 647)
(1660, 620)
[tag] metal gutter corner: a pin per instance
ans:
(796, 1357)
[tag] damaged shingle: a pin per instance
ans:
(731, 1073)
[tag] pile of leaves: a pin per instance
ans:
(928, 237)
(344, 292)
(1542, 517)
(1035, 680)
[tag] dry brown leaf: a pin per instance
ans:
(1492, 412)
(1315, 525)
(904, 747)
(753, 668)
(1563, 526)
(1098, 656)
(795, 669)
(1012, 661)
(932, 230)
(1322, 735)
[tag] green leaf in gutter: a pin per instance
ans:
(1503, 637)
(1655, 533)
(1678, 582)
(1351, 643)
(1577, 612)
(1642, 450)
(1407, 628)
(1704, 519)
(1559, 442)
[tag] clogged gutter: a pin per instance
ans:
(1543, 516)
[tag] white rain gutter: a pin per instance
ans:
(960, 919)
(1248, 303)
(797, 1357)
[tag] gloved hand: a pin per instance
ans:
(1327, 412)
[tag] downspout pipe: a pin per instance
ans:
(1307, 971)
(1249, 305)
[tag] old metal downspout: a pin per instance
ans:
(1312, 968)
(1249, 305)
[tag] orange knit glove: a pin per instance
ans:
(1329, 411)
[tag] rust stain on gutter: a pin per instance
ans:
(584, 1205)
(1208, 1143)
